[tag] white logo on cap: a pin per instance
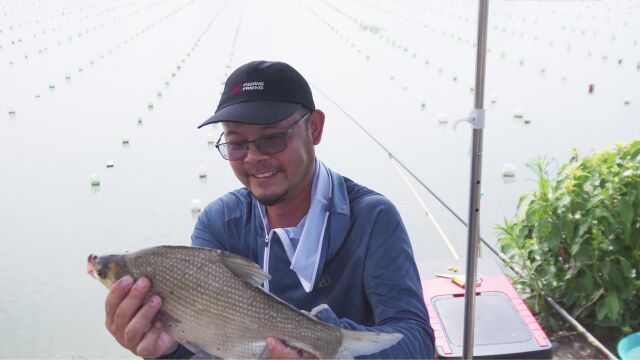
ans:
(256, 85)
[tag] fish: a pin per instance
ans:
(214, 305)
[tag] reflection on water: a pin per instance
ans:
(508, 179)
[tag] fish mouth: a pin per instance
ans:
(91, 269)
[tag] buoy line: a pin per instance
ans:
(202, 173)
(417, 22)
(150, 106)
(395, 44)
(49, 14)
(391, 42)
(162, 19)
(99, 13)
(448, 34)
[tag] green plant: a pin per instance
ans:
(577, 237)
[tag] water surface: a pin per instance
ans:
(380, 61)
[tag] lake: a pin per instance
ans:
(86, 83)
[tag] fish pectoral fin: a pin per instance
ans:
(357, 343)
(244, 269)
(319, 308)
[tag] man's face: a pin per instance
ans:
(280, 177)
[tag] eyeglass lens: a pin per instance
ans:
(268, 145)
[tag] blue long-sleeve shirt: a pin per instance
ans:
(367, 274)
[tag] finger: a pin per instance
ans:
(166, 343)
(142, 321)
(129, 306)
(148, 346)
(116, 294)
(278, 350)
(156, 342)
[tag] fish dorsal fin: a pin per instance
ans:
(245, 269)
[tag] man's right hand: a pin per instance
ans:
(131, 321)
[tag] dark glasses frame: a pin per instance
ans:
(268, 144)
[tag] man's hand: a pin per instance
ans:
(278, 350)
(131, 322)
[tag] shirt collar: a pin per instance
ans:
(303, 243)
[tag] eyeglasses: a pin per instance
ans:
(268, 145)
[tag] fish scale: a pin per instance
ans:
(212, 303)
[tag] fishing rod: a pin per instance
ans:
(427, 211)
(563, 313)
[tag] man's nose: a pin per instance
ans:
(253, 154)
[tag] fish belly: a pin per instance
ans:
(208, 307)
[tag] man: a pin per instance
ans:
(323, 238)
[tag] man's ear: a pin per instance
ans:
(316, 124)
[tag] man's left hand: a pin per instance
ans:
(278, 350)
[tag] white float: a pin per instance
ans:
(442, 118)
(95, 180)
(196, 206)
(508, 170)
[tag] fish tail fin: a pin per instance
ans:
(356, 343)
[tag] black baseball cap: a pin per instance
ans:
(262, 93)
